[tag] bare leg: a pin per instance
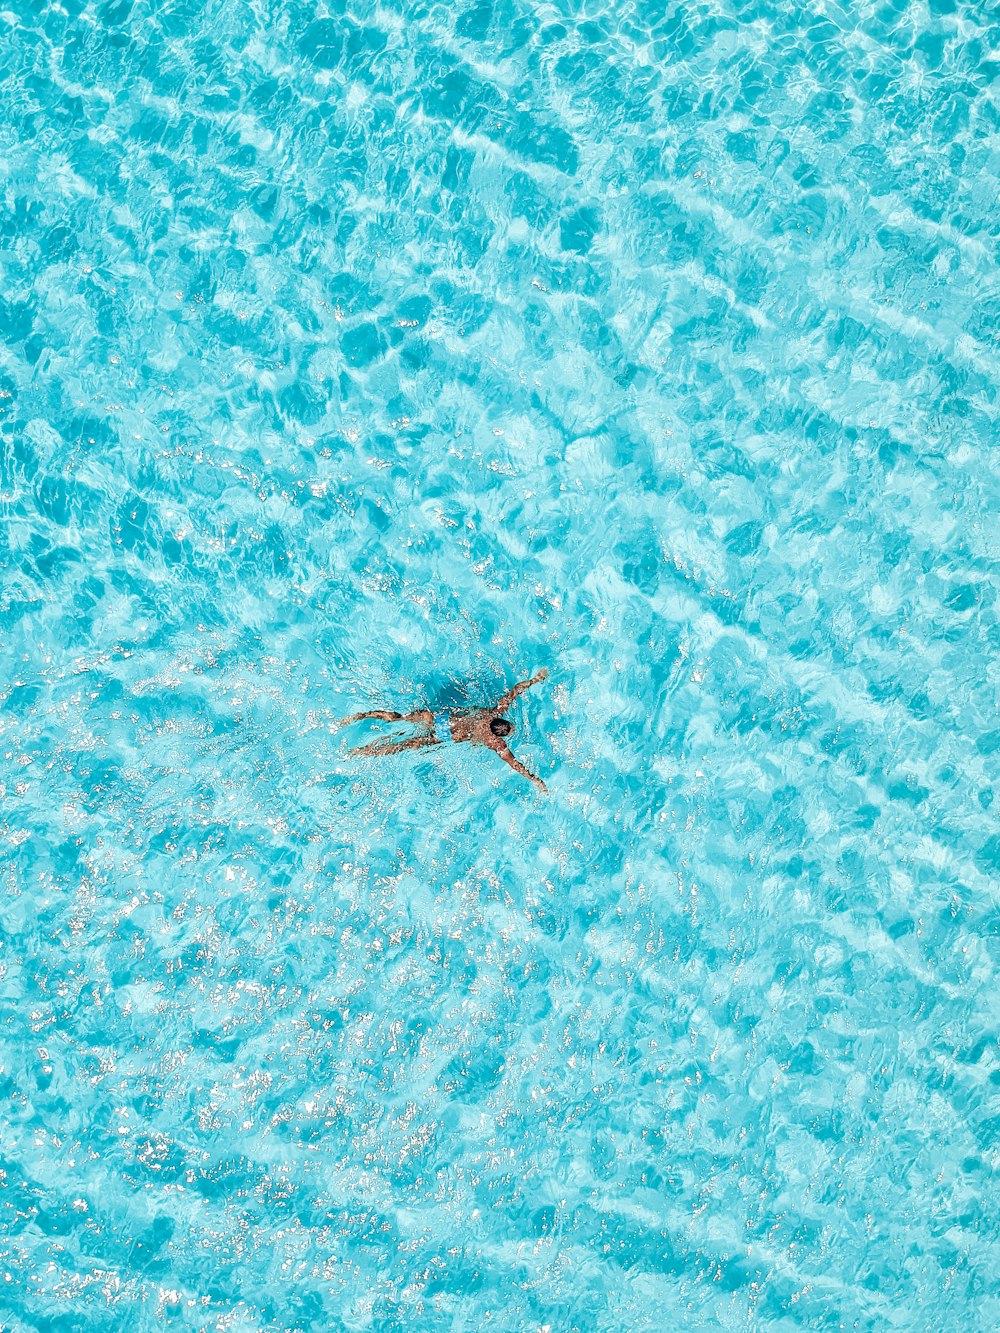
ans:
(422, 716)
(383, 715)
(378, 748)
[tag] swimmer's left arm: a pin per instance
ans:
(506, 700)
(518, 767)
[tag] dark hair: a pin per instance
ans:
(500, 726)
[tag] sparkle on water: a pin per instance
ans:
(380, 356)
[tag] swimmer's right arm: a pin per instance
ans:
(518, 767)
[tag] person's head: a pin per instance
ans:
(500, 726)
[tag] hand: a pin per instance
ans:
(543, 674)
(541, 786)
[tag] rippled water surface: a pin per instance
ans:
(383, 355)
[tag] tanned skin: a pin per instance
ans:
(467, 724)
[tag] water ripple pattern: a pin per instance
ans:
(381, 354)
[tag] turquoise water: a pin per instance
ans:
(381, 356)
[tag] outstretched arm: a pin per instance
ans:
(518, 767)
(507, 699)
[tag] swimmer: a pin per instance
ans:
(479, 726)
